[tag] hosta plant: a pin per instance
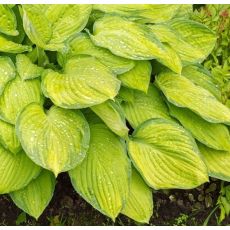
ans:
(114, 95)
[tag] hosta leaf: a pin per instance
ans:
(50, 26)
(85, 82)
(34, 198)
(82, 44)
(126, 94)
(166, 155)
(202, 77)
(113, 116)
(91, 117)
(8, 21)
(8, 138)
(20, 37)
(191, 40)
(184, 93)
(7, 72)
(139, 205)
(133, 40)
(138, 77)
(8, 46)
(218, 162)
(196, 34)
(16, 171)
(213, 135)
(18, 94)
(146, 13)
(103, 177)
(26, 69)
(56, 139)
(145, 106)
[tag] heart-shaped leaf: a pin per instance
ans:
(145, 106)
(18, 94)
(7, 72)
(103, 177)
(50, 26)
(113, 116)
(138, 77)
(56, 139)
(203, 78)
(134, 41)
(82, 44)
(84, 83)
(218, 162)
(182, 92)
(26, 69)
(146, 13)
(8, 46)
(166, 155)
(213, 135)
(139, 205)
(8, 21)
(191, 40)
(8, 138)
(16, 171)
(34, 198)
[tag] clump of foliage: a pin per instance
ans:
(217, 18)
(114, 95)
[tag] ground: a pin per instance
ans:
(172, 207)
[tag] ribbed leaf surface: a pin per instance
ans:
(34, 198)
(166, 155)
(184, 93)
(16, 171)
(56, 139)
(85, 82)
(103, 177)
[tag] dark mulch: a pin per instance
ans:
(172, 207)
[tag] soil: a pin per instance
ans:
(171, 207)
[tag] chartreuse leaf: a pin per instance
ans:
(12, 47)
(196, 34)
(202, 77)
(134, 41)
(103, 177)
(182, 92)
(166, 155)
(218, 162)
(82, 44)
(16, 171)
(85, 82)
(21, 33)
(139, 205)
(56, 139)
(113, 116)
(50, 26)
(138, 77)
(34, 198)
(8, 138)
(7, 72)
(146, 13)
(191, 40)
(126, 94)
(145, 106)
(26, 69)
(18, 94)
(8, 23)
(91, 117)
(215, 136)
